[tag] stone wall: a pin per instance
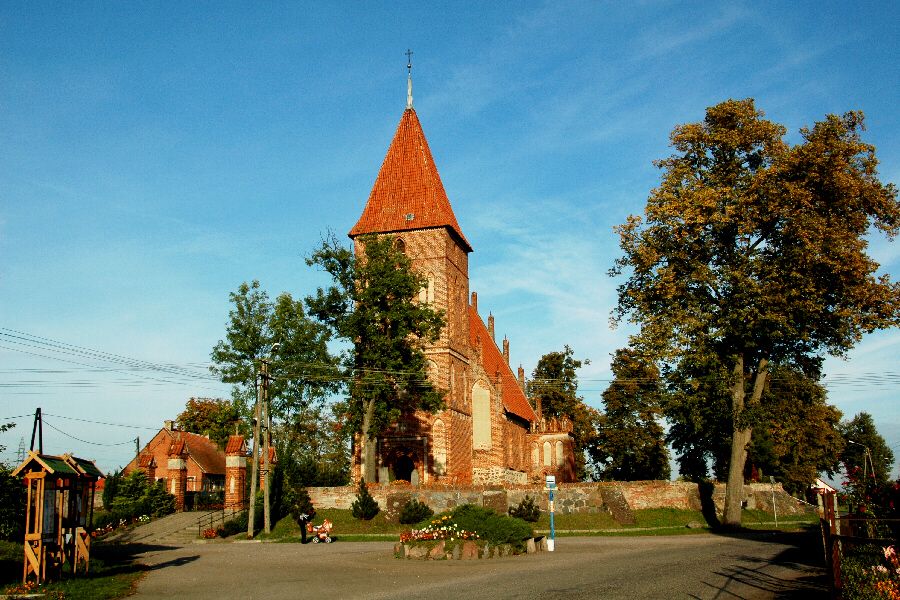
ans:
(617, 498)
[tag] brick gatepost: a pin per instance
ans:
(147, 464)
(178, 472)
(235, 472)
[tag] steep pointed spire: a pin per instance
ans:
(409, 99)
(408, 193)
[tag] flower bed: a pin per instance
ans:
(464, 549)
(467, 532)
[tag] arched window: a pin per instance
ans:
(559, 454)
(481, 417)
(547, 452)
(400, 245)
(439, 442)
(535, 455)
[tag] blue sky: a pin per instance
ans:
(155, 155)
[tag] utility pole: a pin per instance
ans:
(38, 429)
(254, 459)
(267, 516)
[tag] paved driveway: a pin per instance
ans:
(695, 566)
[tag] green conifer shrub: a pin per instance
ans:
(365, 507)
(414, 512)
(527, 510)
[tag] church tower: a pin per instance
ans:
(408, 202)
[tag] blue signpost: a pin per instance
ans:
(551, 488)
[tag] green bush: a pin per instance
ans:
(12, 506)
(414, 511)
(158, 501)
(233, 526)
(302, 509)
(494, 528)
(527, 510)
(365, 507)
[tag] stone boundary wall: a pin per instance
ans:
(617, 498)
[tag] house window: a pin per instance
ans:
(481, 417)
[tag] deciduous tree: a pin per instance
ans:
(214, 417)
(756, 250)
(372, 306)
(630, 439)
(860, 434)
(303, 371)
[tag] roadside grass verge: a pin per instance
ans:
(112, 575)
(657, 521)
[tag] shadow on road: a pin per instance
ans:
(798, 572)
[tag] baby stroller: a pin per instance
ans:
(321, 533)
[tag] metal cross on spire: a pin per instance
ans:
(409, 97)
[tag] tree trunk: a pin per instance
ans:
(741, 435)
(367, 449)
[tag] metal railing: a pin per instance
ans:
(217, 518)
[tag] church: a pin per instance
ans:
(489, 432)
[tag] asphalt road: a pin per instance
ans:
(691, 566)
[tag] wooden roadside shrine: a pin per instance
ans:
(58, 513)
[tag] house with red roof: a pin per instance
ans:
(489, 432)
(187, 462)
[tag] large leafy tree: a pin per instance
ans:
(860, 435)
(302, 369)
(214, 417)
(631, 443)
(696, 405)
(797, 435)
(554, 382)
(372, 305)
(756, 251)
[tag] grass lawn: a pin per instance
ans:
(113, 574)
(657, 521)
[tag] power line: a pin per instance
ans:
(131, 441)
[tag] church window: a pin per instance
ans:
(481, 417)
(535, 455)
(547, 453)
(439, 445)
(400, 245)
(559, 454)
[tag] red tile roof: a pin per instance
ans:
(235, 445)
(492, 361)
(408, 193)
(205, 452)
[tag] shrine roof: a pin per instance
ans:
(514, 400)
(65, 465)
(408, 193)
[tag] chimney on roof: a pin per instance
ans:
(521, 378)
(506, 350)
(475, 301)
(169, 424)
(491, 327)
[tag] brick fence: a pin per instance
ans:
(618, 498)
